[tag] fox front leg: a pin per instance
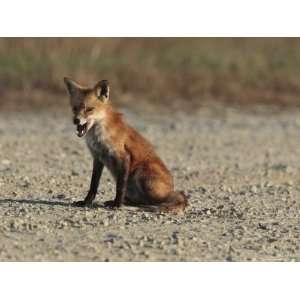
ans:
(96, 175)
(122, 181)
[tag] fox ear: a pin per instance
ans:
(73, 87)
(102, 90)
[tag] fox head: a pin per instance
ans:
(88, 104)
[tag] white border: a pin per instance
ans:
(149, 281)
(150, 18)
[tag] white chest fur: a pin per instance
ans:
(98, 141)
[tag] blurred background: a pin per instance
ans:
(173, 73)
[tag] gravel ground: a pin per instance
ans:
(240, 170)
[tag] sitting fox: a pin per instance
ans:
(141, 177)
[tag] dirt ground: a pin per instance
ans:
(241, 171)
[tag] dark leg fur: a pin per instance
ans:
(121, 189)
(96, 175)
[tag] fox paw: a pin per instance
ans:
(82, 204)
(111, 204)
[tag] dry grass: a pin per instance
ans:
(185, 72)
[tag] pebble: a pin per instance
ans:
(167, 222)
(146, 215)
(145, 253)
(5, 162)
(24, 184)
(253, 189)
(105, 223)
(263, 226)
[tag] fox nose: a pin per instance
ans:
(76, 121)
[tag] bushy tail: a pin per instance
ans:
(176, 202)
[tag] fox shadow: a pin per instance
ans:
(46, 202)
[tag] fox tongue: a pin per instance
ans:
(81, 130)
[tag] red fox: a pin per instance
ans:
(141, 177)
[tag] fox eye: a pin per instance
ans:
(89, 109)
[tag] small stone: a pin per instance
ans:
(74, 173)
(52, 181)
(146, 254)
(5, 162)
(25, 184)
(12, 224)
(280, 167)
(105, 223)
(229, 258)
(262, 226)
(202, 189)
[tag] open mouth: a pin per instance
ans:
(81, 130)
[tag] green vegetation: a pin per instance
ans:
(160, 70)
